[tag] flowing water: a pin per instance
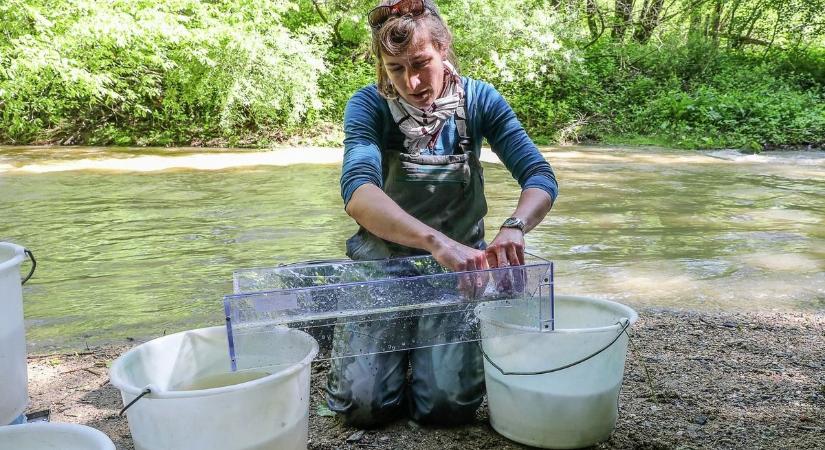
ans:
(141, 242)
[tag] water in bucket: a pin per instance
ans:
(213, 381)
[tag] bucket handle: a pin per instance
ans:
(624, 322)
(34, 265)
(146, 390)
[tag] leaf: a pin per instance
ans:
(323, 411)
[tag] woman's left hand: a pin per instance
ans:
(507, 249)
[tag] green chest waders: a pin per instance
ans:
(446, 385)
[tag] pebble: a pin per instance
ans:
(693, 431)
(701, 419)
(355, 437)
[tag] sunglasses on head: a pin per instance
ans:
(400, 8)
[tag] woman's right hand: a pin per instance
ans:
(377, 212)
(461, 258)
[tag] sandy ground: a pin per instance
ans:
(717, 380)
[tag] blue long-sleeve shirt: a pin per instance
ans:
(368, 125)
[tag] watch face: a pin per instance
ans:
(513, 222)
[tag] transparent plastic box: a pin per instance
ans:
(320, 273)
(357, 308)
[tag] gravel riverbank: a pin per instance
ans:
(692, 380)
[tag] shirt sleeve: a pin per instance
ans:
(363, 123)
(510, 142)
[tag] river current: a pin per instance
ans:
(141, 242)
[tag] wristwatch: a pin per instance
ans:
(514, 222)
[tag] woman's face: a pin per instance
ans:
(418, 73)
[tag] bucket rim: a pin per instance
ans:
(100, 438)
(16, 260)
(631, 317)
(119, 381)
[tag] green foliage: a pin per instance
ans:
(140, 72)
(750, 75)
(741, 101)
(347, 75)
(747, 109)
(524, 52)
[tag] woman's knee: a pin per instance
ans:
(368, 391)
(370, 415)
(446, 411)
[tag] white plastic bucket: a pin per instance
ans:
(48, 436)
(13, 393)
(271, 412)
(573, 407)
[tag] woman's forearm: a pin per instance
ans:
(380, 215)
(533, 206)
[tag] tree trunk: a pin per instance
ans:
(776, 26)
(750, 28)
(592, 10)
(716, 22)
(730, 21)
(623, 18)
(737, 26)
(695, 30)
(648, 20)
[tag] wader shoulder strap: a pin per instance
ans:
(461, 126)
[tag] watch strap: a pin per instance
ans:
(514, 222)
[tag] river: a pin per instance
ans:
(133, 243)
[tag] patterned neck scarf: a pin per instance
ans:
(421, 127)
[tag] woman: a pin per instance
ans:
(413, 181)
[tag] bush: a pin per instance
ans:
(247, 72)
(134, 72)
(743, 103)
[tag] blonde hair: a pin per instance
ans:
(396, 36)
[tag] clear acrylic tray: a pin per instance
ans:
(357, 308)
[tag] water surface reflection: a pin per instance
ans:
(140, 253)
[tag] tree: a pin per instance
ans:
(649, 18)
(623, 11)
(593, 14)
